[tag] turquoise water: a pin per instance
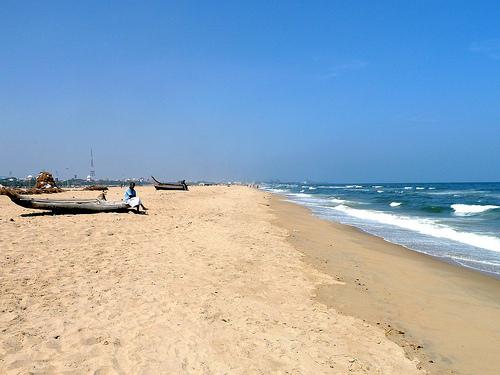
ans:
(459, 222)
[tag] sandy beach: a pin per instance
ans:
(230, 280)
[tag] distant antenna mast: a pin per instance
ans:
(92, 170)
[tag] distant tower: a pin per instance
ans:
(92, 170)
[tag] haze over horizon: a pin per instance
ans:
(324, 91)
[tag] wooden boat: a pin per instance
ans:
(96, 188)
(66, 205)
(181, 185)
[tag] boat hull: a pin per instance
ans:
(67, 205)
(77, 206)
(171, 187)
(181, 185)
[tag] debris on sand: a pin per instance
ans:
(44, 180)
(96, 187)
(45, 184)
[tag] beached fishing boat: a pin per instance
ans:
(96, 188)
(181, 185)
(66, 205)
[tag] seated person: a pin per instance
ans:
(132, 199)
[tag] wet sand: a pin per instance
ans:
(447, 316)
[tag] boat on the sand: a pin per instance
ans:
(66, 205)
(181, 185)
(96, 188)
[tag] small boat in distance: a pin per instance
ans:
(70, 206)
(181, 185)
(96, 188)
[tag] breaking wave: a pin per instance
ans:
(471, 209)
(424, 226)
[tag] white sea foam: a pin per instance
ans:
(358, 186)
(377, 186)
(424, 226)
(395, 204)
(408, 187)
(419, 188)
(444, 192)
(302, 195)
(475, 260)
(471, 209)
(302, 190)
(278, 190)
(312, 188)
(380, 191)
(336, 200)
(432, 188)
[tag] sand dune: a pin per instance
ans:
(204, 284)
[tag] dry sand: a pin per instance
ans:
(207, 283)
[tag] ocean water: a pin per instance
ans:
(458, 222)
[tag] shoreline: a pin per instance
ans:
(448, 261)
(438, 312)
(230, 280)
(460, 234)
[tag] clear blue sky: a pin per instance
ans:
(291, 90)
